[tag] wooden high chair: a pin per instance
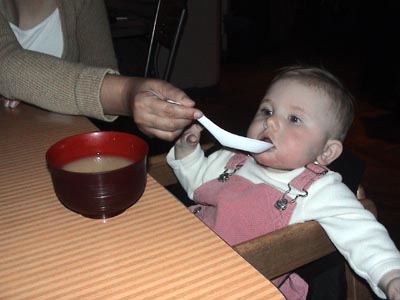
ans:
(288, 248)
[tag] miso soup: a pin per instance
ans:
(97, 163)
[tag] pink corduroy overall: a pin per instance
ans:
(239, 210)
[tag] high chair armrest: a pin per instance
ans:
(286, 249)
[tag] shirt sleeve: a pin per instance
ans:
(359, 237)
(196, 169)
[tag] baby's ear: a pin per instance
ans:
(332, 150)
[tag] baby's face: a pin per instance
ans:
(296, 119)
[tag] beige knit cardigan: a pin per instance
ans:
(69, 85)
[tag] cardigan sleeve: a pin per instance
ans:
(49, 82)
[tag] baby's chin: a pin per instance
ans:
(265, 160)
(262, 158)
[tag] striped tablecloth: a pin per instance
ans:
(154, 250)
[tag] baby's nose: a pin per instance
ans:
(271, 123)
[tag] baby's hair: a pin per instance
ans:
(342, 100)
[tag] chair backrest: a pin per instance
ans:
(167, 30)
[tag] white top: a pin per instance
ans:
(46, 37)
(355, 232)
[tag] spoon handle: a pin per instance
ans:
(229, 139)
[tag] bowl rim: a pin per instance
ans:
(58, 144)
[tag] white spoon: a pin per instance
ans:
(231, 140)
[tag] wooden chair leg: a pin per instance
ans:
(357, 288)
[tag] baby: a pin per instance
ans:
(305, 114)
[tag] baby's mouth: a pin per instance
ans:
(266, 139)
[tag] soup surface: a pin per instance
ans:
(97, 163)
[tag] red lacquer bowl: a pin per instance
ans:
(98, 195)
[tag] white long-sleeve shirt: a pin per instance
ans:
(355, 232)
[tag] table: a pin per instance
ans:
(154, 250)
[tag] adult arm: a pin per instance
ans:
(82, 89)
(145, 100)
(134, 96)
(48, 82)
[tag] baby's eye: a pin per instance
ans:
(266, 111)
(294, 119)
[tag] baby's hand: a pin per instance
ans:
(9, 103)
(188, 141)
(390, 284)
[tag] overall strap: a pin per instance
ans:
(233, 164)
(302, 182)
(236, 160)
(311, 173)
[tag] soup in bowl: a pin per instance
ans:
(98, 174)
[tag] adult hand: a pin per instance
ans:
(146, 100)
(155, 116)
(188, 141)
